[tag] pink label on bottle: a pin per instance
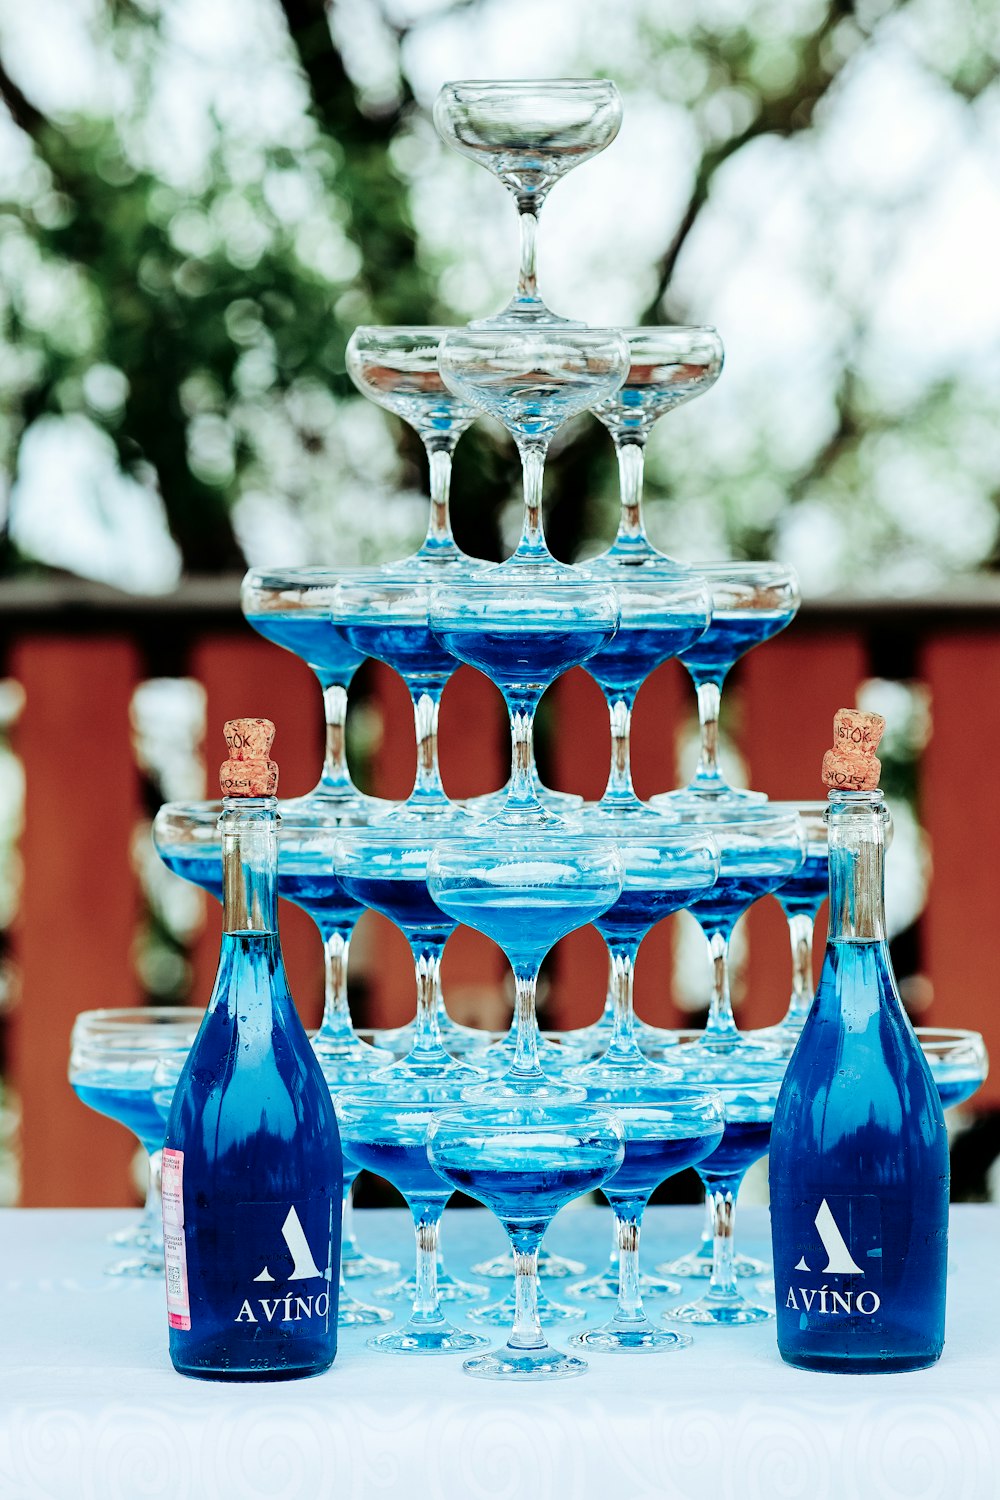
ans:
(174, 1248)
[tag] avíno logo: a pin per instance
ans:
(293, 1307)
(847, 1244)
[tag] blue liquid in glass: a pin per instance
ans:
(627, 660)
(403, 1164)
(728, 637)
(648, 1162)
(130, 1103)
(638, 909)
(319, 892)
(511, 658)
(315, 639)
(956, 1088)
(204, 870)
(721, 907)
(405, 902)
(262, 1181)
(526, 921)
(743, 1142)
(859, 1180)
(805, 893)
(407, 645)
(531, 1190)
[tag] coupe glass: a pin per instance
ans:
(668, 366)
(385, 615)
(385, 867)
(751, 602)
(532, 380)
(529, 133)
(759, 852)
(801, 898)
(398, 369)
(525, 891)
(525, 1162)
(666, 869)
(113, 1057)
(666, 1129)
(523, 632)
(749, 1099)
(383, 1127)
(292, 607)
(957, 1060)
(663, 611)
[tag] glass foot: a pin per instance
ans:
(606, 1285)
(525, 1364)
(354, 1314)
(728, 1312)
(501, 1314)
(549, 1265)
(698, 1265)
(620, 1336)
(414, 1338)
(138, 1234)
(525, 1090)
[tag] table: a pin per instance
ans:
(91, 1409)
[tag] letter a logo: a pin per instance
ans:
(304, 1266)
(838, 1257)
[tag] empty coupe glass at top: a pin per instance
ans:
(525, 1161)
(751, 602)
(397, 368)
(532, 380)
(523, 632)
(112, 1062)
(293, 607)
(525, 891)
(668, 366)
(529, 134)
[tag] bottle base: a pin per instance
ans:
(298, 1372)
(821, 1364)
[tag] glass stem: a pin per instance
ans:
(709, 702)
(800, 930)
(439, 538)
(426, 1218)
(622, 991)
(152, 1214)
(630, 1309)
(347, 1239)
(521, 793)
(721, 1021)
(336, 1025)
(620, 788)
(532, 543)
(525, 1063)
(427, 786)
(336, 776)
(527, 276)
(426, 1031)
(722, 1196)
(631, 462)
(527, 1330)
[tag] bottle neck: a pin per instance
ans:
(857, 823)
(249, 829)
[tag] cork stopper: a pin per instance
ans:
(852, 765)
(248, 772)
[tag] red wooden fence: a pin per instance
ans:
(76, 924)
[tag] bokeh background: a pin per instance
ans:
(200, 199)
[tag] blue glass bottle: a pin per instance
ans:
(252, 1159)
(859, 1153)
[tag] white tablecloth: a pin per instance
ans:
(90, 1408)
